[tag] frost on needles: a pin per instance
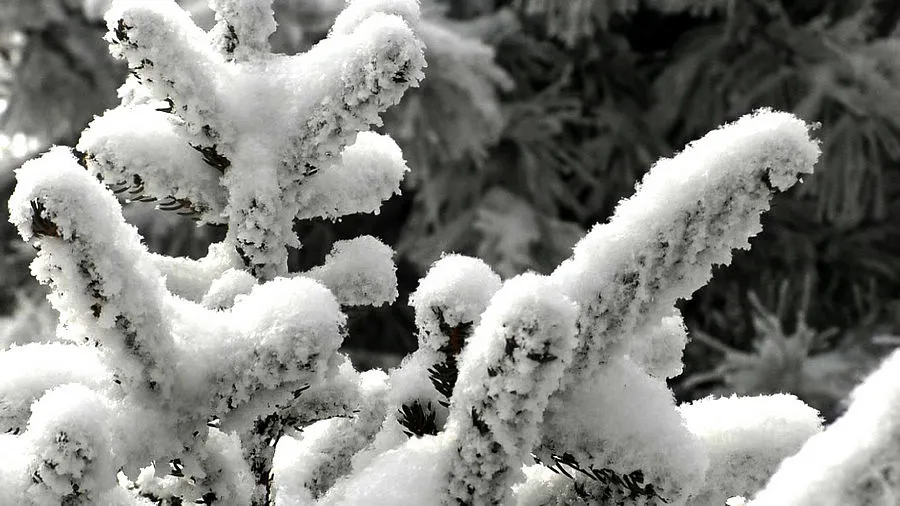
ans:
(219, 380)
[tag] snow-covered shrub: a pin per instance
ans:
(214, 125)
(219, 381)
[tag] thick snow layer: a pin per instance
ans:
(227, 473)
(408, 383)
(243, 27)
(104, 285)
(27, 371)
(223, 291)
(307, 465)
(854, 460)
(192, 279)
(254, 139)
(515, 361)
(455, 290)
(746, 438)
(687, 215)
(368, 172)
(281, 333)
(448, 304)
(14, 477)
(358, 272)
(415, 473)
(541, 487)
(145, 151)
(71, 445)
(626, 421)
(658, 349)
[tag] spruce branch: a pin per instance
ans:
(212, 158)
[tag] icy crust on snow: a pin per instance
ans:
(368, 172)
(144, 152)
(854, 461)
(686, 216)
(69, 444)
(455, 290)
(515, 361)
(26, 372)
(359, 272)
(625, 421)
(658, 350)
(103, 285)
(746, 438)
(276, 135)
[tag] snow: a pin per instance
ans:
(307, 465)
(227, 473)
(250, 21)
(626, 420)
(407, 383)
(279, 335)
(686, 216)
(369, 172)
(166, 166)
(746, 438)
(513, 363)
(357, 11)
(658, 350)
(541, 487)
(70, 443)
(452, 295)
(854, 460)
(262, 123)
(27, 371)
(415, 473)
(359, 272)
(572, 363)
(14, 478)
(192, 279)
(456, 289)
(103, 284)
(223, 291)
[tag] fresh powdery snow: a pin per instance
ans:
(185, 380)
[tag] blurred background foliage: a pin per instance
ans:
(535, 118)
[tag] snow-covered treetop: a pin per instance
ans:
(215, 126)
